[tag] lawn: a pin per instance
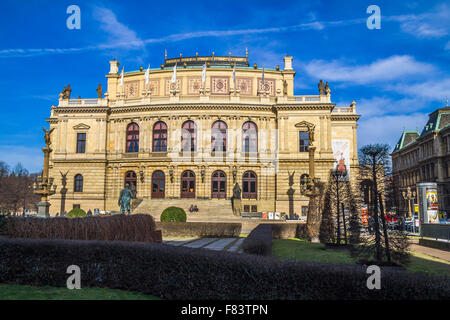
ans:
(303, 250)
(20, 292)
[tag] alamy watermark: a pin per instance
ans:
(74, 281)
(373, 21)
(374, 280)
(74, 20)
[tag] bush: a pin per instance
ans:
(137, 227)
(181, 273)
(288, 230)
(76, 213)
(259, 241)
(173, 214)
(200, 229)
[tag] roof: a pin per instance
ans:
(209, 60)
(406, 138)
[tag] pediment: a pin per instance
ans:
(81, 126)
(305, 125)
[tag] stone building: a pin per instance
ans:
(424, 157)
(188, 131)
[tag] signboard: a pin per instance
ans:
(277, 216)
(341, 153)
(265, 215)
(364, 215)
(270, 215)
(432, 205)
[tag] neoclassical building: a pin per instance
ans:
(191, 129)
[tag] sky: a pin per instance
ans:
(397, 74)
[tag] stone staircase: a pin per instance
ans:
(213, 210)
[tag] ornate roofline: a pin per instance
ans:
(342, 117)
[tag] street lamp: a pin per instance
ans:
(410, 195)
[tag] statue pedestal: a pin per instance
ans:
(43, 209)
(237, 207)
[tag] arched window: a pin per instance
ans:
(159, 137)
(249, 185)
(132, 137)
(78, 183)
(131, 179)
(219, 136)
(189, 136)
(304, 179)
(188, 184)
(249, 137)
(218, 185)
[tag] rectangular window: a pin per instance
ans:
(246, 208)
(76, 206)
(304, 141)
(304, 211)
(254, 208)
(81, 142)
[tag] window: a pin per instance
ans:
(304, 141)
(254, 208)
(78, 184)
(81, 142)
(249, 137)
(249, 183)
(160, 137)
(246, 208)
(132, 137)
(76, 206)
(189, 136)
(219, 136)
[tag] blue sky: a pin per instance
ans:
(396, 75)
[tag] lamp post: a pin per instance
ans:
(410, 195)
(44, 184)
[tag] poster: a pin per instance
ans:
(264, 215)
(364, 215)
(432, 205)
(270, 215)
(277, 216)
(341, 153)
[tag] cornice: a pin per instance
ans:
(345, 117)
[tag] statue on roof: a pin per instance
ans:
(321, 87)
(99, 91)
(327, 89)
(285, 87)
(66, 92)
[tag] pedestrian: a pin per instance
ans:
(89, 213)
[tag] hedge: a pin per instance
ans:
(137, 227)
(259, 241)
(173, 214)
(199, 229)
(288, 230)
(182, 273)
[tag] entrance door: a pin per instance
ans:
(219, 185)
(188, 184)
(158, 185)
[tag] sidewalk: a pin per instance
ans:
(441, 254)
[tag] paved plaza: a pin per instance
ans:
(218, 244)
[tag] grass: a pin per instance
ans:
(20, 292)
(303, 250)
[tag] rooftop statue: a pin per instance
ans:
(321, 87)
(47, 136)
(327, 88)
(66, 92)
(99, 91)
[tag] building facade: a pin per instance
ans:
(192, 129)
(424, 157)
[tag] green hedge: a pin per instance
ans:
(76, 213)
(173, 214)
(181, 273)
(200, 229)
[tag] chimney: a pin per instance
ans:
(114, 67)
(287, 63)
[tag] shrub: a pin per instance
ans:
(173, 214)
(137, 227)
(76, 213)
(288, 230)
(201, 229)
(259, 241)
(181, 273)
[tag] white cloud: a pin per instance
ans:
(120, 35)
(387, 129)
(394, 67)
(431, 24)
(434, 90)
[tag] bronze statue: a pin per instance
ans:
(99, 91)
(47, 136)
(125, 198)
(321, 87)
(66, 92)
(236, 191)
(64, 178)
(291, 178)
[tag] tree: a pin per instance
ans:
(374, 163)
(327, 227)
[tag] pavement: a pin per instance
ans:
(437, 253)
(217, 244)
